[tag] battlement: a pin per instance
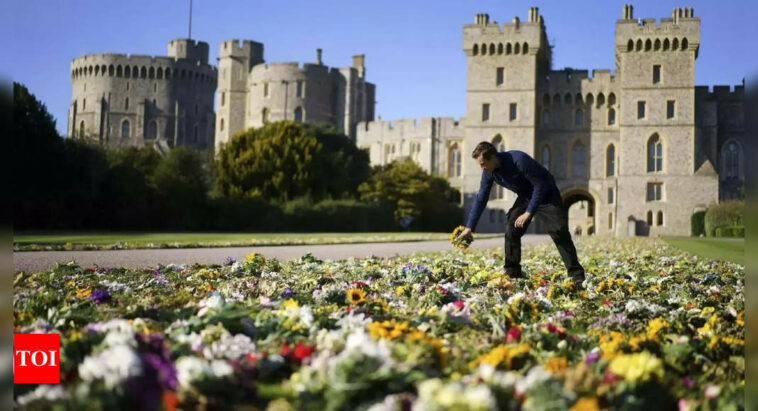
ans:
(189, 49)
(141, 66)
(246, 49)
(409, 126)
(526, 37)
(721, 92)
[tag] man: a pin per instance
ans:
(537, 195)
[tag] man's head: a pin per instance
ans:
(485, 155)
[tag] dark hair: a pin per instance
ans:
(485, 149)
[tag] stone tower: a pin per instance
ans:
(235, 59)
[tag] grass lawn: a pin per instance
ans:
(726, 249)
(107, 240)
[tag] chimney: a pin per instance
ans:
(318, 56)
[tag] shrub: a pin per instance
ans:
(727, 213)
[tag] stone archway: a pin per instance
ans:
(580, 205)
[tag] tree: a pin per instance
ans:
(411, 191)
(344, 165)
(278, 161)
(180, 180)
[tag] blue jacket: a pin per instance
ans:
(519, 173)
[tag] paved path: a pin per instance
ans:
(42, 260)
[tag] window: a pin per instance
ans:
(299, 88)
(389, 153)
(152, 130)
(611, 196)
(485, 112)
(81, 129)
(415, 150)
(546, 117)
(127, 85)
(610, 221)
(610, 161)
(265, 89)
(611, 117)
(264, 115)
(660, 218)
(125, 129)
(649, 218)
(299, 115)
(223, 98)
(545, 157)
(640, 109)
(579, 117)
(730, 160)
(126, 104)
(656, 74)
(84, 104)
(579, 160)
(670, 109)
(454, 161)
(654, 154)
(500, 75)
(654, 191)
(221, 125)
(512, 110)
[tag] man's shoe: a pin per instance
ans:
(519, 274)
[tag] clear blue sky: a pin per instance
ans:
(413, 48)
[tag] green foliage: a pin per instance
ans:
(411, 191)
(278, 161)
(181, 183)
(697, 223)
(344, 166)
(727, 213)
(730, 231)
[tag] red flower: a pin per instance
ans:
(298, 353)
(90, 269)
(251, 357)
(441, 290)
(360, 284)
(606, 303)
(715, 294)
(348, 309)
(543, 282)
(170, 400)
(690, 306)
(459, 304)
(513, 334)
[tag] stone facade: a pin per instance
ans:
(132, 100)
(252, 92)
(641, 150)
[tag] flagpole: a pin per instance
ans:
(190, 21)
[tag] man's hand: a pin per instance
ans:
(465, 233)
(523, 219)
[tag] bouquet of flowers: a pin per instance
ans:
(456, 241)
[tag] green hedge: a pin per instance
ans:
(697, 223)
(727, 213)
(730, 231)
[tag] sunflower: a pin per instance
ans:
(356, 296)
(461, 243)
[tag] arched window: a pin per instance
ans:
(152, 130)
(657, 45)
(684, 44)
(579, 160)
(545, 157)
(648, 45)
(589, 100)
(97, 70)
(579, 117)
(666, 44)
(546, 117)
(126, 104)
(660, 218)
(546, 100)
(500, 48)
(151, 72)
(223, 98)
(610, 161)
(611, 99)
(498, 192)
(611, 117)
(221, 125)
(127, 71)
(111, 70)
(168, 73)
(578, 99)
(492, 49)
(525, 48)
(610, 221)
(730, 160)
(454, 161)
(264, 115)
(567, 99)
(516, 48)
(630, 45)
(143, 72)
(557, 99)
(159, 73)
(639, 45)
(675, 44)
(649, 217)
(81, 129)
(475, 51)
(299, 114)
(125, 129)
(484, 49)
(654, 154)
(102, 70)
(119, 71)
(508, 48)
(600, 100)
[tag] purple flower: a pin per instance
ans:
(229, 261)
(287, 293)
(100, 296)
(688, 382)
(591, 358)
(157, 271)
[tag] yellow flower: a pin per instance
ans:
(556, 365)
(501, 354)
(637, 367)
(290, 303)
(609, 344)
(356, 296)
(83, 292)
(654, 326)
(586, 404)
(387, 329)
(250, 258)
(399, 290)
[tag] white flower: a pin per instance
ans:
(189, 369)
(515, 297)
(48, 392)
(211, 303)
(230, 347)
(113, 365)
(536, 376)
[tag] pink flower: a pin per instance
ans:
(459, 304)
(712, 391)
(513, 334)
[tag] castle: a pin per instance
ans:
(639, 150)
(635, 152)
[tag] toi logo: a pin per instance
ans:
(36, 358)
